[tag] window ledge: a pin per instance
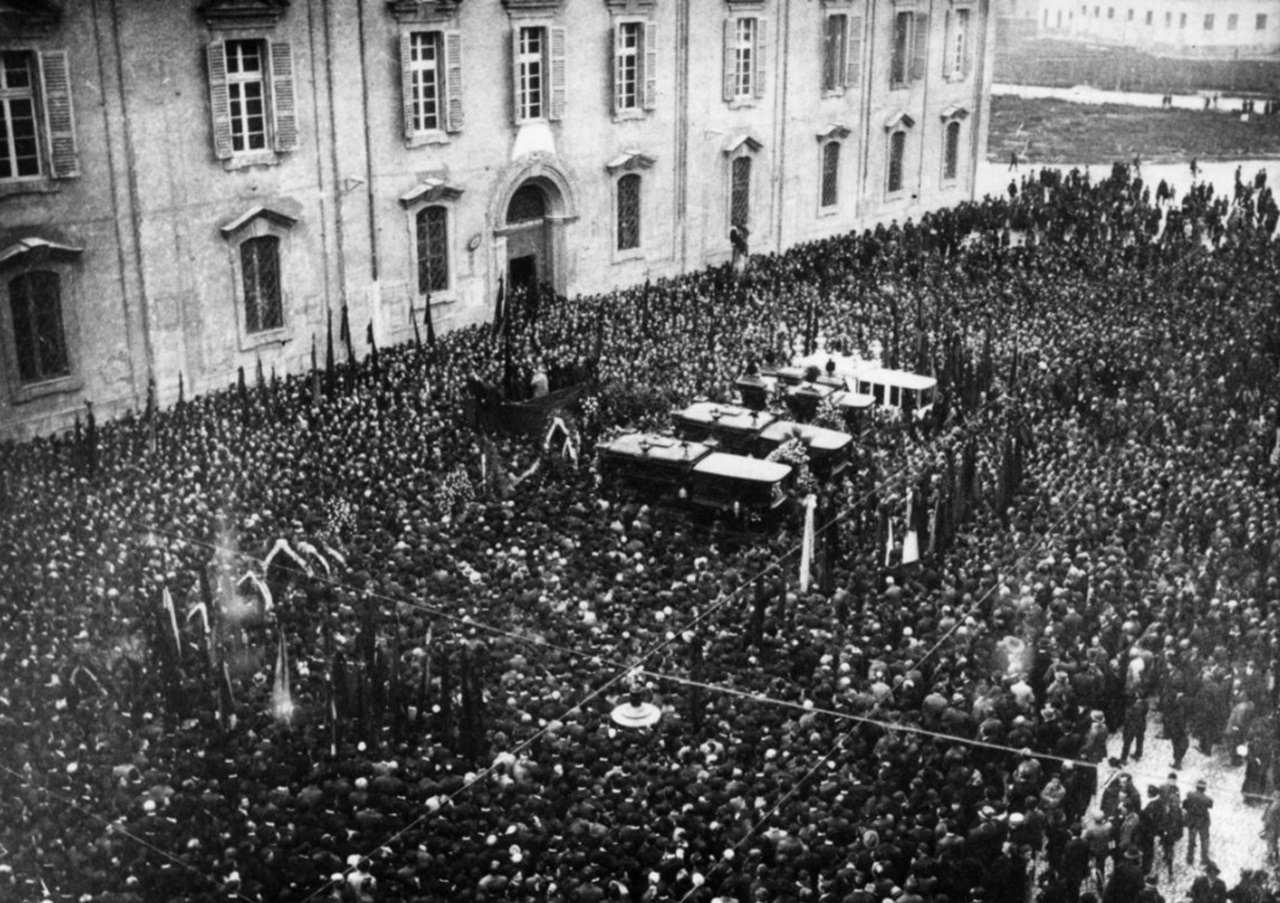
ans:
(630, 115)
(828, 93)
(18, 187)
(824, 212)
(628, 255)
(442, 298)
(743, 103)
(59, 386)
(250, 159)
(433, 136)
(252, 340)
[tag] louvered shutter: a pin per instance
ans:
(559, 73)
(762, 51)
(730, 27)
(59, 118)
(406, 83)
(455, 119)
(650, 65)
(219, 100)
(921, 37)
(515, 75)
(283, 105)
(853, 70)
(948, 39)
(966, 61)
(615, 84)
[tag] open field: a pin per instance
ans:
(1059, 131)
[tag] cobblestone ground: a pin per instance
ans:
(1234, 838)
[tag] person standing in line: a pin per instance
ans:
(1175, 726)
(1135, 727)
(1197, 806)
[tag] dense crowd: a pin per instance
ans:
(410, 700)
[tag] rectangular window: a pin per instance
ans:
(1233, 21)
(744, 58)
(260, 271)
(246, 94)
(433, 249)
(425, 80)
(1168, 20)
(740, 192)
(628, 57)
(1111, 12)
(19, 144)
(835, 52)
(1130, 15)
(629, 212)
(1182, 20)
(951, 152)
(1208, 22)
(531, 73)
(900, 61)
(35, 302)
(1151, 17)
(830, 174)
(897, 154)
(1261, 23)
(956, 61)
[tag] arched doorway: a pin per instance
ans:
(528, 232)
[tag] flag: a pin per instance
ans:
(499, 313)
(315, 374)
(806, 544)
(417, 336)
(281, 696)
(373, 347)
(152, 438)
(182, 391)
(888, 545)
(911, 543)
(173, 620)
(431, 328)
(344, 333)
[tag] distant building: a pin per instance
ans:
(188, 188)
(1222, 29)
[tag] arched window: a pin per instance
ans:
(629, 212)
(35, 301)
(260, 269)
(951, 152)
(831, 174)
(433, 249)
(528, 204)
(897, 156)
(740, 192)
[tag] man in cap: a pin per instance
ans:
(1208, 887)
(1196, 809)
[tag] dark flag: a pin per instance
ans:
(182, 392)
(91, 440)
(345, 334)
(373, 348)
(329, 363)
(499, 313)
(417, 336)
(315, 374)
(431, 326)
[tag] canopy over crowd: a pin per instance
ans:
(323, 637)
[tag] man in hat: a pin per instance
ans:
(1126, 881)
(1196, 809)
(1150, 893)
(1208, 887)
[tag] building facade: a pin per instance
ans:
(1220, 29)
(191, 188)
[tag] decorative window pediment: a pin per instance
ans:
(35, 250)
(411, 12)
(631, 7)
(532, 7)
(629, 161)
(899, 119)
(28, 19)
(275, 215)
(954, 111)
(242, 14)
(833, 131)
(745, 5)
(430, 191)
(744, 140)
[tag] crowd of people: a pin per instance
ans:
(324, 638)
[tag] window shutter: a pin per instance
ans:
(515, 75)
(455, 119)
(730, 26)
(966, 60)
(219, 100)
(406, 82)
(946, 47)
(921, 37)
(559, 75)
(59, 119)
(854, 52)
(615, 85)
(762, 50)
(650, 65)
(283, 107)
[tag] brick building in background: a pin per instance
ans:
(189, 188)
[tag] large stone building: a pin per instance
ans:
(191, 188)
(1221, 29)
